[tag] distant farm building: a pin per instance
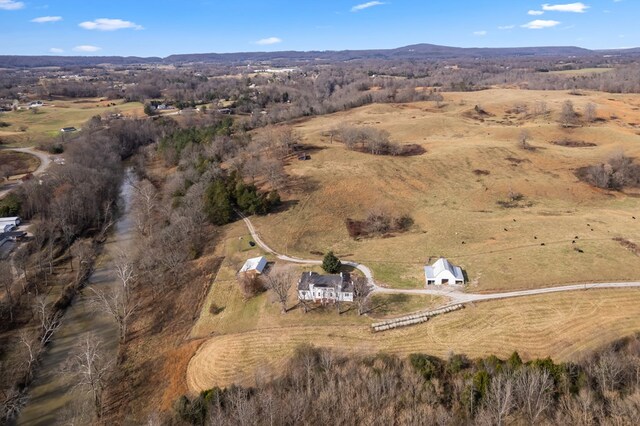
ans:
(254, 266)
(314, 287)
(68, 129)
(443, 272)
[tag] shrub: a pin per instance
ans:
(427, 366)
(10, 205)
(618, 172)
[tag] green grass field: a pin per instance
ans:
(583, 71)
(28, 128)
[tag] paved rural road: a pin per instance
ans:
(452, 292)
(45, 161)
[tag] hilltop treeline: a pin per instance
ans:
(322, 387)
(313, 89)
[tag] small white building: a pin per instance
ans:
(314, 287)
(14, 220)
(443, 272)
(254, 265)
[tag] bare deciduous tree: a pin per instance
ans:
(568, 116)
(31, 345)
(534, 393)
(279, 281)
(145, 202)
(250, 284)
(500, 399)
(89, 369)
(48, 320)
(523, 139)
(361, 291)
(590, 112)
(117, 303)
(540, 108)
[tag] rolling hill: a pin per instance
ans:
(413, 52)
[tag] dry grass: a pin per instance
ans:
(561, 326)
(455, 211)
(19, 163)
(503, 248)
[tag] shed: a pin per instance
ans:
(443, 272)
(254, 265)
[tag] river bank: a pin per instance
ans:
(52, 396)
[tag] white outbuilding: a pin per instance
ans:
(443, 272)
(254, 265)
(14, 220)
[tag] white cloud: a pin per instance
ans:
(366, 5)
(56, 50)
(106, 24)
(539, 24)
(535, 12)
(506, 27)
(480, 33)
(43, 19)
(86, 48)
(11, 5)
(268, 41)
(569, 7)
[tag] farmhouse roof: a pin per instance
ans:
(341, 282)
(441, 265)
(254, 264)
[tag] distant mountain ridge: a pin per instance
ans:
(416, 51)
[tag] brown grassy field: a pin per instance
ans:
(455, 210)
(18, 163)
(451, 205)
(563, 326)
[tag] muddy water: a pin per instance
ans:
(52, 396)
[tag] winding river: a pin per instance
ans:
(52, 396)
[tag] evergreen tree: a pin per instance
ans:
(218, 203)
(331, 263)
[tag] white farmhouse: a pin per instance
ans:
(443, 272)
(314, 287)
(254, 265)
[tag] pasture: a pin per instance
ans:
(29, 127)
(453, 192)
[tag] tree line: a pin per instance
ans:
(322, 386)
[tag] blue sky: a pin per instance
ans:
(164, 27)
